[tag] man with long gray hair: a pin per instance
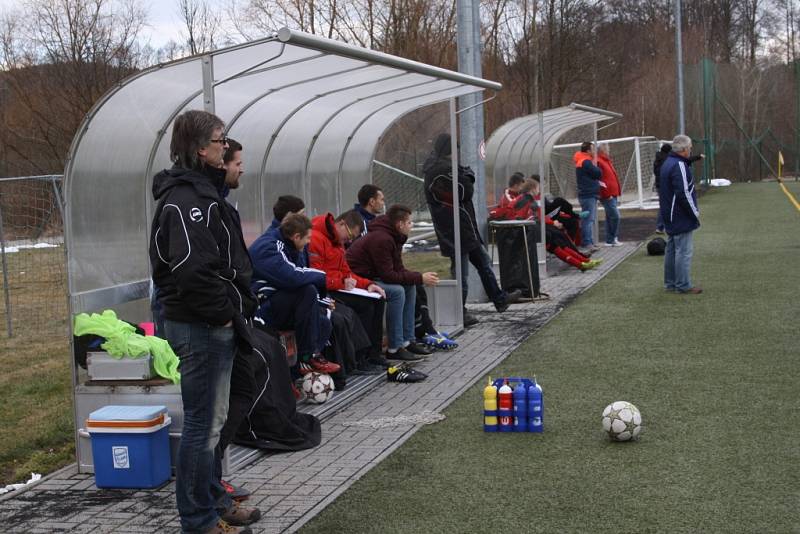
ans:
(678, 205)
(202, 272)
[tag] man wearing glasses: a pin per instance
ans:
(327, 253)
(203, 280)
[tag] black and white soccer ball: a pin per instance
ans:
(622, 421)
(317, 387)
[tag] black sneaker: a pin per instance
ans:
(404, 374)
(470, 320)
(404, 356)
(419, 348)
(380, 361)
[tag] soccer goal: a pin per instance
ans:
(633, 158)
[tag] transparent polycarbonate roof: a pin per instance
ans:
(524, 144)
(309, 112)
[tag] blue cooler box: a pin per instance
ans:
(130, 446)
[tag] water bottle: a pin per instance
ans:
(490, 408)
(535, 408)
(505, 402)
(520, 408)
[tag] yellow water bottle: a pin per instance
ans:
(490, 407)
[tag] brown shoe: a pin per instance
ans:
(224, 528)
(239, 516)
(692, 291)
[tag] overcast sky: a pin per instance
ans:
(162, 20)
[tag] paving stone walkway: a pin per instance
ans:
(291, 488)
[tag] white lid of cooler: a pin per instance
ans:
(127, 413)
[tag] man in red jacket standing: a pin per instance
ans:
(609, 194)
(326, 253)
(377, 256)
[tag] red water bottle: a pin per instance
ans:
(505, 408)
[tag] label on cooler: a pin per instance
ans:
(120, 455)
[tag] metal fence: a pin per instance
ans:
(32, 256)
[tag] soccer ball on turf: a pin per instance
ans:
(622, 421)
(317, 387)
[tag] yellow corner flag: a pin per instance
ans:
(780, 163)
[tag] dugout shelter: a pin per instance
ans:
(310, 113)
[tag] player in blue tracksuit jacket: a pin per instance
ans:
(289, 291)
(681, 216)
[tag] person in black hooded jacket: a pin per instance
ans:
(438, 171)
(202, 271)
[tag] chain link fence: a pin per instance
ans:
(33, 258)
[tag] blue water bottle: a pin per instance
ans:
(520, 408)
(535, 408)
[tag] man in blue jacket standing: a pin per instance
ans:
(681, 216)
(587, 174)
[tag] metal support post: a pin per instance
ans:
(208, 83)
(6, 288)
(638, 156)
(544, 186)
(679, 64)
(456, 226)
(596, 225)
(471, 120)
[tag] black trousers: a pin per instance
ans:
(299, 310)
(370, 314)
(423, 324)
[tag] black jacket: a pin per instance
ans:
(439, 195)
(197, 253)
(661, 157)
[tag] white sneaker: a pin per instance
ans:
(611, 244)
(617, 243)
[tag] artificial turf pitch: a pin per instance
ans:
(715, 377)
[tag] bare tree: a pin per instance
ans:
(59, 58)
(201, 25)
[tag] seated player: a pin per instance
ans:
(557, 241)
(377, 256)
(289, 291)
(327, 253)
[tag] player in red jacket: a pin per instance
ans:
(609, 194)
(326, 252)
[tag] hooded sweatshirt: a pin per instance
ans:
(197, 253)
(587, 175)
(438, 171)
(377, 255)
(327, 253)
(608, 177)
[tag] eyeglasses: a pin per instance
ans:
(223, 141)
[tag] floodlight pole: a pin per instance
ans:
(471, 119)
(679, 65)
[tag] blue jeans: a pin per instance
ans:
(612, 218)
(483, 263)
(400, 301)
(678, 262)
(206, 353)
(587, 224)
